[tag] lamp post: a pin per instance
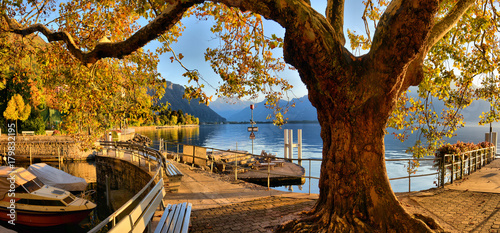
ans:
(252, 135)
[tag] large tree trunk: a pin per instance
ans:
(354, 97)
(355, 194)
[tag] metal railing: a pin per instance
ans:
(411, 169)
(138, 219)
(463, 164)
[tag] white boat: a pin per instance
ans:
(28, 201)
(57, 178)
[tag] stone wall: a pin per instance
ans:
(44, 147)
(122, 174)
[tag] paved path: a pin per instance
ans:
(222, 205)
(471, 205)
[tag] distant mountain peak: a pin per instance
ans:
(240, 112)
(173, 95)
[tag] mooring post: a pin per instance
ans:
(299, 147)
(285, 152)
(30, 154)
(290, 145)
(268, 173)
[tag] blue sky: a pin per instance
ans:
(197, 37)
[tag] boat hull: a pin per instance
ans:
(44, 219)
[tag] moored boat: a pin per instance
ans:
(26, 200)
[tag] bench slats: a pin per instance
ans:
(171, 170)
(185, 226)
(178, 223)
(175, 218)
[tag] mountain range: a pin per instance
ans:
(236, 110)
(173, 95)
(239, 111)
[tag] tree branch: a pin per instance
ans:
(335, 15)
(415, 73)
(166, 20)
(400, 36)
(445, 24)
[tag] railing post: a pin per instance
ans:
(213, 161)
(462, 165)
(443, 169)
(59, 156)
(469, 160)
(409, 177)
(452, 167)
(177, 155)
(309, 176)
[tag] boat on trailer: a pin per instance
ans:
(26, 200)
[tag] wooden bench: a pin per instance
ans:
(173, 177)
(32, 133)
(175, 218)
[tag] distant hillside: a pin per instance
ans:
(227, 107)
(173, 95)
(471, 114)
(303, 111)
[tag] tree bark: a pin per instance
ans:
(354, 97)
(355, 194)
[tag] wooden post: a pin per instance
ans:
(30, 155)
(159, 147)
(194, 155)
(177, 155)
(236, 164)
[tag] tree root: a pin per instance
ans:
(430, 222)
(350, 223)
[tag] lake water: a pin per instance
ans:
(270, 138)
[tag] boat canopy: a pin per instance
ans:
(17, 176)
(57, 178)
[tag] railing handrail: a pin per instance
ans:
(471, 151)
(490, 149)
(111, 218)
